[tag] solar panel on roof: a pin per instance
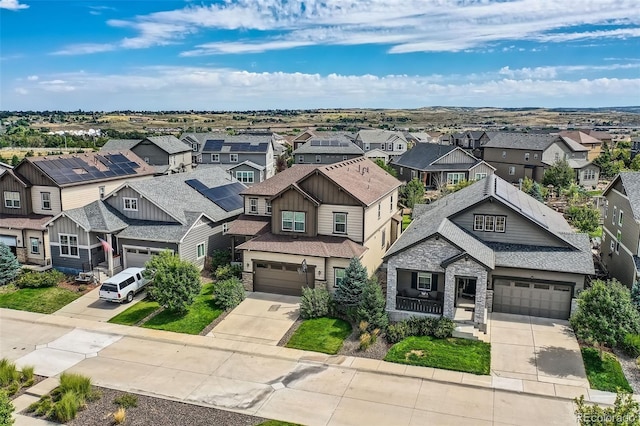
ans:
(117, 158)
(227, 197)
(197, 185)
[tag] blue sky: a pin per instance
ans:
(289, 54)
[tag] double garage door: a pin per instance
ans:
(10, 241)
(135, 257)
(281, 278)
(530, 298)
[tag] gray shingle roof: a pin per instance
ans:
(422, 155)
(119, 144)
(248, 163)
(170, 144)
(380, 136)
(98, 217)
(328, 146)
(467, 242)
(631, 183)
(533, 141)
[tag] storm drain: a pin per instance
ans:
(274, 308)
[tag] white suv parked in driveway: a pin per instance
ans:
(123, 286)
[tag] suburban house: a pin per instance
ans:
(593, 144)
(423, 137)
(635, 147)
(378, 154)
(186, 213)
(471, 140)
(488, 247)
(302, 226)
(439, 165)
(620, 249)
(249, 158)
(167, 154)
(4, 166)
(41, 187)
(519, 155)
(326, 151)
(393, 143)
(299, 140)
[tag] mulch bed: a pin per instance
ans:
(630, 369)
(71, 285)
(36, 379)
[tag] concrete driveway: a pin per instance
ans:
(260, 318)
(90, 307)
(535, 349)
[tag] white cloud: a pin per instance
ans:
(32, 78)
(549, 72)
(12, 5)
(86, 48)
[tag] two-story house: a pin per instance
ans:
(620, 249)
(310, 133)
(250, 158)
(438, 166)
(593, 144)
(488, 247)
(41, 187)
(326, 151)
(167, 154)
(392, 142)
(302, 226)
(519, 155)
(187, 213)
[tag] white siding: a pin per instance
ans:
(36, 200)
(372, 258)
(371, 221)
(332, 263)
(81, 195)
(262, 206)
(354, 220)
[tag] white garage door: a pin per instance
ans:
(137, 257)
(530, 298)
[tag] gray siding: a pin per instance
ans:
(70, 264)
(456, 157)
(11, 184)
(620, 265)
(518, 229)
(260, 158)
(324, 158)
(64, 225)
(146, 209)
(258, 175)
(480, 168)
(33, 174)
(206, 232)
(147, 149)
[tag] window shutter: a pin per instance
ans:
(414, 280)
(434, 282)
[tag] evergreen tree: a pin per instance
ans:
(372, 304)
(9, 265)
(349, 290)
(560, 175)
(413, 193)
(536, 192)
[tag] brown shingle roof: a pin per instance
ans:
(249, 225)
(24, 222)
(320, 246)
(581, 137)
(280, 181)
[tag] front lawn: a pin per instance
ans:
(136, 313)
(406, 220)
(199, 315)
(604, 374)
(320, 335)
(41, 300)
(469, 356)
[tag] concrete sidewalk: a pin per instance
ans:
(289, 384)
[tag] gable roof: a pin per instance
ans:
(328, 146)
(119, 144)
(280, 181)
(248, 163)
(580, 137)
(422, 155)
(631, 183)
(573, 145)
(97, 216)
(169, 144)
(380, 136)
(532, 141)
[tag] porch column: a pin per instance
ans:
(109, 256)
(481, 297)
(449, 309)
(392, 286)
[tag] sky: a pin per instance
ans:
(238, 55)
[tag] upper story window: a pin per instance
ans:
(101, 192)
(367, 147)
(479, 176)
(344, 158)
(512, 170)
(68, 245)
(318, 158)
(504, 154)
(215, 158)
(526, 156)
(340, 223)
(399, 147)
(391, 204)
(194, 147)
(12, 199)
(557, 156)
(620, 216)
(379, 210)
(130, 204)
(489, 223)
(244, 176)
(233, 158)
(383, 238)
(45, 198)
(268, 206)
(615, 213)
(225, 228)
(618, 239)
(293, 221)
(300, 159)
(253, 205)
(535, 155)
(454, 178)
(146, 160)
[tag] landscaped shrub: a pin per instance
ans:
(625, 411)
(439, 328)
(33, 279)
(9, 265)
(397, 332)
(349, 290)
(27, 375)
(444, 328)
(76, 383)
(127, 400)
(314, 303)
(228, 293)
(220, 258)
(67, 407)
(176, 282)
(8, 372)
(119, 416)
(631, 345)
(372, 306)
(6, 409)
(64, 402)
(421, 326)
(228, 271)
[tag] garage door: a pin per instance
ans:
(531, 298)
(137, 257)
(10, 241)
(281, 278)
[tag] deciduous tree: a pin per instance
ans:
(176, 282)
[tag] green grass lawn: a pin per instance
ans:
(406, 220)
(320, 335)
(136, 313)
(596, 233)
(604, 374)
(42, 300)
(203, 311)
(469, 356)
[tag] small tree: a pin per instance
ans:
(585, 218)
(6, 409)
(9, 265)
(635, 295)
(371, 307)
(605, 314)
(536, 192)
(387, 168)
(625, 411)
(560, 175)
(413, 193)
(281, 163)
(349, 290)
(176, 282)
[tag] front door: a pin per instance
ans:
(465, 292)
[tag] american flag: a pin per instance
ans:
(105, 245)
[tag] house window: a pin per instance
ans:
(535, 156)
(225, 228)
(501, 223)
(454, 178)
(379, 210)
(244, 176)
(11, 200)
(478, 222)
(300, 159)
(68, 245)
(620, 218)
(612, 246)
(391, 204)
(413, 174)
(215, 158)
(199, 159)
(253, 205)
(399, 147)
(557, 156)
(146, 160)
(194, 147)
(101, 192)
(201, 250)
(479, 176)
(526, 156)
(618, 239)
(268, 206)
(340, 223)
(512, 170)
(401, 171)
(384, 238)
(615, 213)
(589, 174)
(233, 158)
(424, 281)
(293, 221)
(130, 204)
(504, 154)
(344, 158)
(318, 158)
(489, 223)
(45, 197)
(338, 276)
(367, 147)
(35, 245)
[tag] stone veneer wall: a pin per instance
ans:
(247, 280)
(466, 268)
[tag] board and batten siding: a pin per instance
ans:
(481, 167)
(354, 220)
(54, 197)
(292, 200)
(371, 221)
(262, 205)
(33, 174)
(81, 195)
(457, 156)
(64, 225)
(207, 232)
(630, 229)
(328, 192)
(146, 209)
(518, 229)
(10, 184)
(149, 150)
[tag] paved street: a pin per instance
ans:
(268, 381)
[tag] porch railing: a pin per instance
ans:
(415, 304)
